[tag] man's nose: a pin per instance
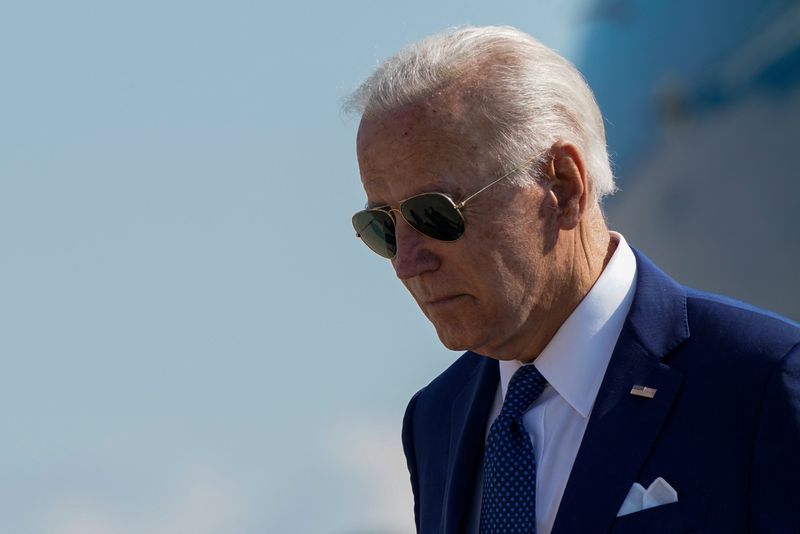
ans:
(413, 256)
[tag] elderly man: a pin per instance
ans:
(596, 394)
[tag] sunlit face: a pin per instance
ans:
(487, 290)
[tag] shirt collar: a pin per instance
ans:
(575, 359)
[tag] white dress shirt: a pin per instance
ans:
(574, 363)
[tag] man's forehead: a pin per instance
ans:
(421, 157)
(400, 123)
(431, 144)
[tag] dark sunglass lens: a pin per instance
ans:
(376, 230)
(435, 216)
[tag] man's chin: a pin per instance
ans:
(455, 338)
(457, 330)
(453, 345)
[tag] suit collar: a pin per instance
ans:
(658, 314)
(623, 427)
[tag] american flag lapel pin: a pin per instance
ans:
(643, 391)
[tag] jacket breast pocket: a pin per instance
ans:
(686, 515)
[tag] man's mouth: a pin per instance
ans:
(440, 302)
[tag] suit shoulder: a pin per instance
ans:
(736, 327)
(748, 320)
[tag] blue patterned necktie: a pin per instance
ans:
(508, 505)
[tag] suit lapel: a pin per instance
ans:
(623, 427)
(471, 408)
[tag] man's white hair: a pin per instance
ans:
(530, 95)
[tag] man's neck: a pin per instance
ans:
(587, 251)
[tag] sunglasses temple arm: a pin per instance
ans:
(506, 175)
(482, 189)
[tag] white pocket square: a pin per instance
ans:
(659, 492)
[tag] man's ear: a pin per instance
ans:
(568, 184)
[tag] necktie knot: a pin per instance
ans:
(524, 388)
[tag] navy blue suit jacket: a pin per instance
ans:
(723, 428)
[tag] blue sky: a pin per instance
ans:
(192, 339)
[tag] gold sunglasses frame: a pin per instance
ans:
(456, 205)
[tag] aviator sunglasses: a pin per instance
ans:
(432, 214)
